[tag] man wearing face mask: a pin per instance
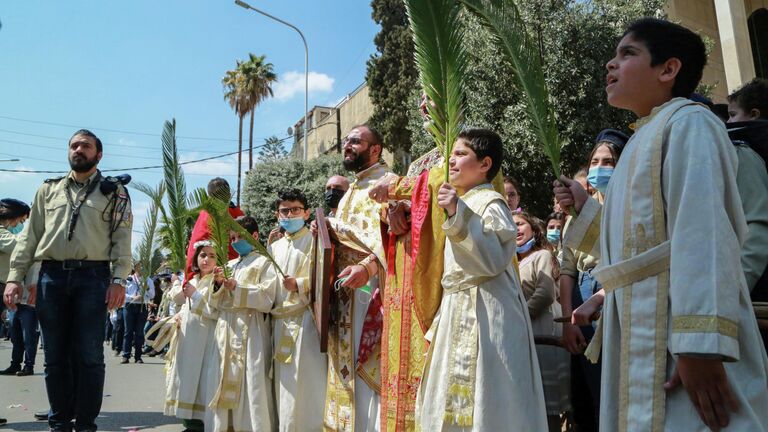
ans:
(353, 401)
(80, 228)
(335, 188)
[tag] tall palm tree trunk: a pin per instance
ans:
(239, 158)
(250, 143)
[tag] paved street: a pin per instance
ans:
(133, 396)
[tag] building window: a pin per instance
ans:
(758, 37)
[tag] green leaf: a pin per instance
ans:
(178, 219)
(441, 60)
(220, 224)
(503, 20)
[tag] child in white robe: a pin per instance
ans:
(300, 369)
(242, 399)
(680, 345)
(188, 379)
(482, 372)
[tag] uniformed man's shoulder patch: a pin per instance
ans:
(54, 179)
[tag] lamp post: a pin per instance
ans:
(306, 63)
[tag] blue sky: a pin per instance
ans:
(122, 68)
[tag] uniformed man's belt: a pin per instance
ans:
(74, 264)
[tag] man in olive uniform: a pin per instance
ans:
(80, 228)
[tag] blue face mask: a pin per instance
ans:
(526, 247)
(292, 225)
(242, 247)
(553, 236)
(16, 229)
(599, 177)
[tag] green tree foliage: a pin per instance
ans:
(272, 150)
(266, 179)
(576, 39)
(391, 74)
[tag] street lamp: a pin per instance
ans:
(306, 63)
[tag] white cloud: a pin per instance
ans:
(215, 167)
(291, 83)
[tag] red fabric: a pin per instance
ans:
(202, 231)
(372, 328)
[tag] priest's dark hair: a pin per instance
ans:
(219, 188)
(485, 143)
(666, 40)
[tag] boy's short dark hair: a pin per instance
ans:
(752, 95)
(291, 195)
(485, 142)
(87, 133)
(219, 188)
(666, 40)
(248, 223)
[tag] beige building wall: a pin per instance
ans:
(356, 108)
(724, 23)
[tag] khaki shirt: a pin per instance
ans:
(45, 234)
(7, 243)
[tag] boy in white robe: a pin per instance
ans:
(242, 398)
(681, 349)
(482, 373)
(300, 369)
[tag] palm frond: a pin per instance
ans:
(177, 218)
(441, 60)
(147, 245)
(221, 222)
(502, 18)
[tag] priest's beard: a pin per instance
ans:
(358, 161)
(81, 164)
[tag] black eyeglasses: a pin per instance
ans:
(291, 211)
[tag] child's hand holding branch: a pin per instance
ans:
(447, 199)
(290, 284)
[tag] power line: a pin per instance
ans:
(62, 148)
(116, 130)
(105, 142)
(125, 169)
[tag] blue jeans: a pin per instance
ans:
(71, 307)
(135, 316)
(24, 336)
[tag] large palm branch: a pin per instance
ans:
(441, 60)
(220, 224)
(147, 244)
(502, 18)
(176, 221)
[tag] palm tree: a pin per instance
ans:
(234, 85)
(259, 76)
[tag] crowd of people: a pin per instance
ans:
(634, 304)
